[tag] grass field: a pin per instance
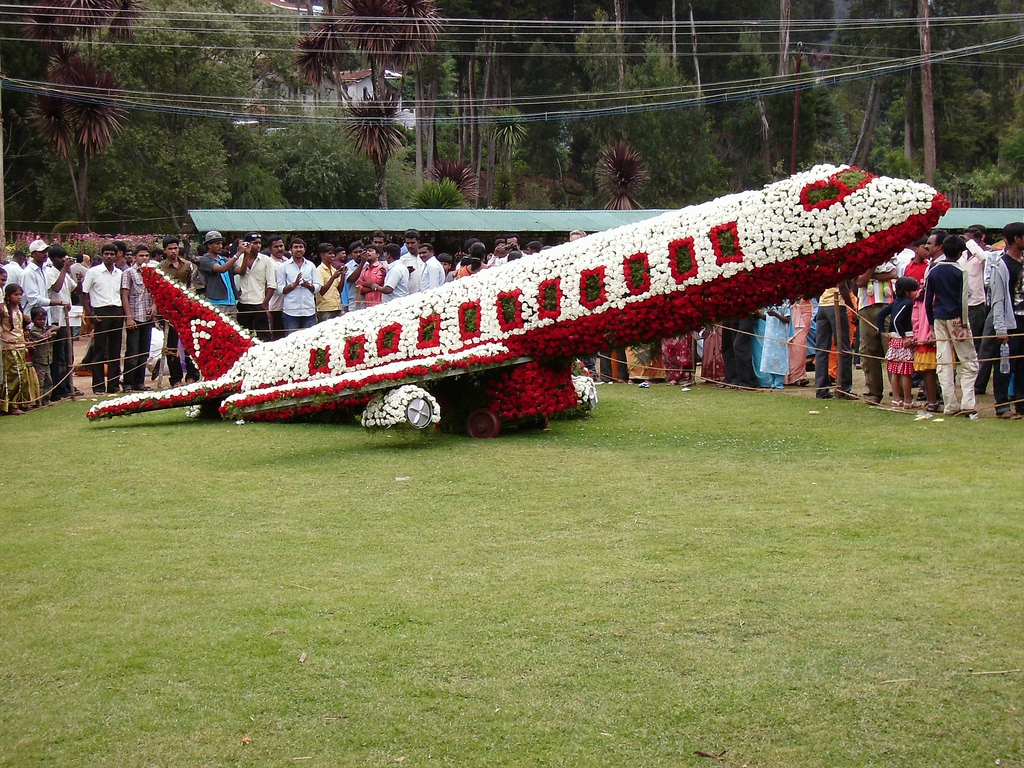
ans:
(682, 572)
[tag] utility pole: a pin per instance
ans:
(796, 109)
(3, 191)
(696, 62)
(927, 93)
(673, 32)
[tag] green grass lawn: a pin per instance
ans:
(683, 571)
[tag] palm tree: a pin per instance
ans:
(79, 130)
(438, 194)
(387, 33)
(79, 118)
(622, 173)
(507, 133)
(376, 135)
(456, 171)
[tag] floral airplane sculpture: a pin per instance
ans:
(497, 347)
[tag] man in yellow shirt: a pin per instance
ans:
(330, 274)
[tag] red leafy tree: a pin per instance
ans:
(622, 173)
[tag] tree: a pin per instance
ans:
(387, 33)
(80, 123)
(318, 168)
(622, 174)
(376, 135)
(76, 130)
(151, 171)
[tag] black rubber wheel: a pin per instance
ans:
(483, 423)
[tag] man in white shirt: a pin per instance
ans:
(101, 300)
(396, 283)
(903, 258)
(256, 276)
(412, 246)
(297, 283)
(433, 275)
(15, 266)
(278, 256)
(61, 283)
(33, 279)
(974, 261)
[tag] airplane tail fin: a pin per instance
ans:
(214, 341)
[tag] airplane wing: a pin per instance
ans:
(357, 387)
(176, 397)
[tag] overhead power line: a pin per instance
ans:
(586, 105)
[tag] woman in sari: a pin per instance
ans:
(20, 385)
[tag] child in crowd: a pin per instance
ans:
(900, 355)
(20, 387)
(40, 337)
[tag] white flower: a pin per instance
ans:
(389, 409)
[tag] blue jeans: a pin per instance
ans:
(292, 323)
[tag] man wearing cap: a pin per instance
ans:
(33, 280)
(257, 281)
(101, 300)
(297, 283)
(217, 272)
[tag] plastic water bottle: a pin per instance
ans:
(1004, 357)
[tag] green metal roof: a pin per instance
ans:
(286, 220)
(991, 218)
(427, 220)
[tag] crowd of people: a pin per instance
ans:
(270, 287)
(946, 314)
(946, 302)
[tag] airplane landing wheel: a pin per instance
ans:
(419, 413)
(483, 422)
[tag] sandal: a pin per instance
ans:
(910, 405)
(933, 407)
(896, 404)
(1010, 415)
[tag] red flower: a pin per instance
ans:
(682, 259)
(355, 350)
(320, 360)
(725, 239)
(637, 269)
(388, 339)
(532, 389)
(469, 320)
(825, 193)
(549, 299)
(510, 310)
(592, 288)
(430, 332)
